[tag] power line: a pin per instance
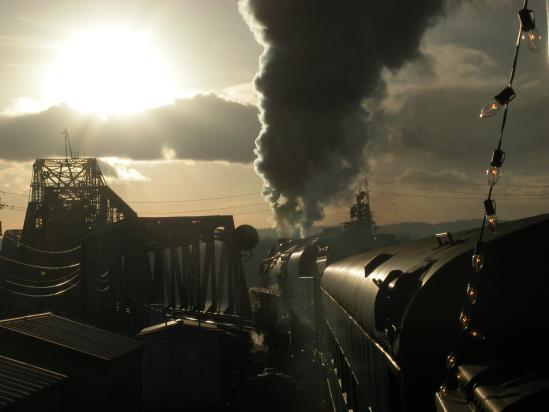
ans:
(204, 210)
(199, 199)
(459, 182)
(541, 195)
(253, 212)
(456, 197)
(14, 193)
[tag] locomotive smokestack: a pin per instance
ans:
(321, 59)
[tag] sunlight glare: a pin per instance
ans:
(112, 71)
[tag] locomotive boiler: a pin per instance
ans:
(382, 322)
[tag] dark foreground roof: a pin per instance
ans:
(19, 381)
(72, 335)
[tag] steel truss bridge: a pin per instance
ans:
(85, 253)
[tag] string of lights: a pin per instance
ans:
(527, 32)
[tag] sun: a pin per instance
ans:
(111, 70)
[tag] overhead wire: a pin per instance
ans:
(532, 195)
(458, 182)
(14, 193)
(198, 199)
(204, 210)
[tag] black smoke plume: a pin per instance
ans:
(321, 59)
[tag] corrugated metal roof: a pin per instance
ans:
(20, 380)
(73, 335)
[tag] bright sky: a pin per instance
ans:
(127, 73)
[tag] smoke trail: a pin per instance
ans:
(321, 59)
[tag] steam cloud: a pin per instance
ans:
(321, 59)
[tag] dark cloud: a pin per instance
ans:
(321, 59)
(440, 129)
(205, 127)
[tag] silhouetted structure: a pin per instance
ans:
(26, 387)
(69, 198)
(385, 320)
(84, 253)
(183, 264)
(103, 370)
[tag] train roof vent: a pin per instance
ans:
(375, 263)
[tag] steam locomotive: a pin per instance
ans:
(382, 322)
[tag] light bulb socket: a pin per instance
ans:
(505, 96)
(527, 20)
(498, 157)
(490, 207)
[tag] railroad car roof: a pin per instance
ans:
(72, 335)
(354, 283)
(20, 380)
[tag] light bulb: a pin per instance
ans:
(476, 334)
(492, 221)
(529, 32)
(477, 261)
(490, 211)
(493, 174)
(451, 361)
(531, 38)
(472, 294)
(494, 171)
(490, 109)
(443, 391)
(464, 321)
(499, 100)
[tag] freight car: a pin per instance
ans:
(383, 322)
